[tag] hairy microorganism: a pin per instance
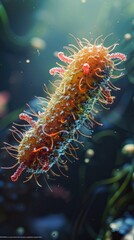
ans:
(83, 82)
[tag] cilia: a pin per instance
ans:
(83, 82)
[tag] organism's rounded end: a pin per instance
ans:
(18, 172)
(14, 178)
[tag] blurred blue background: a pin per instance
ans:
(31, 33)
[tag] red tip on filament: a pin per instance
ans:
(18, 172)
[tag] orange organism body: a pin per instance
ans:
(84, 82)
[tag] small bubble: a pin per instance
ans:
(90, 153)
(128, 36)
(128, 149)
(55, 234)
(20, 231)
(86, 160)
(38, 43)
(27, 60)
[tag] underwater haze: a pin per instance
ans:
(86, 191)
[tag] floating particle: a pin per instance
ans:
(83, 1)
(90, 153)
(55, 235)
(128, 149)
(20, 231)
(87, 160)
(38, 43)
(128, 36)
(27, 60)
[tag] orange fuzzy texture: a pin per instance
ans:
(73, 103)
(60, 107)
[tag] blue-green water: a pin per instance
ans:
(96, 200)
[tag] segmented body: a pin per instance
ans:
(85, 81)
